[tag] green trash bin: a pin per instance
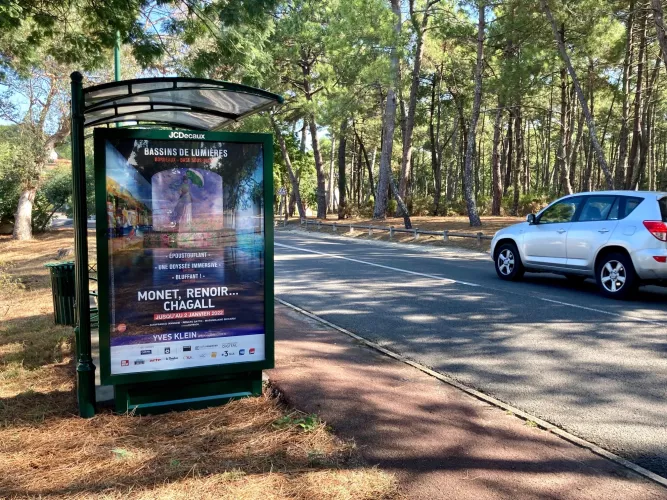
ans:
(63, 290)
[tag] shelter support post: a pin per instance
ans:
(85, 369)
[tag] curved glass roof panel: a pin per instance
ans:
(195, 103)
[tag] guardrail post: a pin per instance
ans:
(416, 233)
(445, 235)
(334, 227)
(479, 239)
(351, 229)
(304, 221)
(284, 222)
(319, 225)
(391, 232)
(370, 230)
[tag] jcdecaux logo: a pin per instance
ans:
(183, 135)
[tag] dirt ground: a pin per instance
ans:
(248, 449)
(457, 224)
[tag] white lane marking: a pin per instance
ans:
(626, 317)
(414, 273)
(608, 313)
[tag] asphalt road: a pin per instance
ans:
(596, 367)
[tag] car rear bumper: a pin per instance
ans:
(647, 267)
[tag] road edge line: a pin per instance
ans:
(542, 424)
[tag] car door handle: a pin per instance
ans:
(603, 231)
(561, 231)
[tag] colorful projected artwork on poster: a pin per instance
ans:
(186, 254)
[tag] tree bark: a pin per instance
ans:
(319, 169)
(406, 166)
(497, 184)
(622, 165)
(367, 161)
(563, 148)
(658, 18)
(517, 163)
(580, 94)
(288, 164)
(342, 144)
(469, 194)
(331, 175)
(389, 119)
(634, 159)
(23, 215)
(436, 159)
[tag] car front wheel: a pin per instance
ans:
(616, 276)
(508, 262)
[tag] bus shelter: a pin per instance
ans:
(184, 242)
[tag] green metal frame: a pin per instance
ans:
(100, 136)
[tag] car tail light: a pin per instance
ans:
(657, 228)
(660, 258)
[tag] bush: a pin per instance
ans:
(528, 203)
(422, 205)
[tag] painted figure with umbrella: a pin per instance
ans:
(181, 216)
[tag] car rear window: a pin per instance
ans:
(663, 208)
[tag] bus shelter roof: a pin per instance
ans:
(189, 103)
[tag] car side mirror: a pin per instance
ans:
(531, 219)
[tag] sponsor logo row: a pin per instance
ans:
(186, 349)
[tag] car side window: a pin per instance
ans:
(597, 208)
(615, 209)
(630, 205)
(560, 212)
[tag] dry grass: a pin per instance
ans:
(427, 223)
(248, 449)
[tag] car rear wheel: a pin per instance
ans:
(508, 262)
(616, 276)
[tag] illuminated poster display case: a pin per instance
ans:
(185, 264)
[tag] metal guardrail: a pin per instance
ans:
(416, 232)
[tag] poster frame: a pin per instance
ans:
(100, 136)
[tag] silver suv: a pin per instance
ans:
(618, 237)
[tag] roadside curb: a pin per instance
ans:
(542, 424)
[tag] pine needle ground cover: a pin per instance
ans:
(248, 449)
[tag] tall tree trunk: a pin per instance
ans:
(302, 143)
(406, 167)
(386, 178)
(547, 164)
(645, 139)
(658, 17)
(517, 163)
(635, 146)
(319, 169)
(288, 164)
(563, 147)
(331, 174)
(436, 159)
(451, 164)
(342, 144)
(369, 166)
(622, 163)
(473, 216)
(582, 99)
(497, 185)
(23, 215)
(509, 157)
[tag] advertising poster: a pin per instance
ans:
(185, 238)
